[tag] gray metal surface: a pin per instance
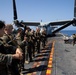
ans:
(64, 61)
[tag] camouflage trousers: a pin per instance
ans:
(3, 73)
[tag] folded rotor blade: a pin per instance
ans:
(14, 10)
(64, 26)
(56, 23)
(75, 9)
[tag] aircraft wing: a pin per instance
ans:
(59, 22)
(55, 23)
(31, 23)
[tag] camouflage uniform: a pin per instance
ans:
(74, 39)
(43, 37)
(26, 52)
(29, 46)
(38, 36)
(12, 45)
(32, 37)
(22, 45)
(5, 60)
(10, 39)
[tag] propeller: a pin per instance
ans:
(16, 22)
(14, 10)
(75, 9)
(64, 26)
(22, 24)
(68, 23)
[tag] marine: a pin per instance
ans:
(38, 39)
(29, 46)
(43, 38)
(22, 43)
(32, 35)
(6, 58)
(11, 45)
(74, 39)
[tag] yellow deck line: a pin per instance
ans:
(49, 68)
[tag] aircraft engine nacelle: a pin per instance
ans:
(18, 24)
(74, 23)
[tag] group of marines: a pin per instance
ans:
(19, 48)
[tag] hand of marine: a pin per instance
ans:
(17, 56)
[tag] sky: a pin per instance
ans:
(37, 10)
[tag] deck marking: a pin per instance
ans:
(49, 68)
(29, 74)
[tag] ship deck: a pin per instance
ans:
(57, 58)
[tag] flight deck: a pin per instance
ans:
(57, 58)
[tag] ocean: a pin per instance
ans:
(68, 32)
